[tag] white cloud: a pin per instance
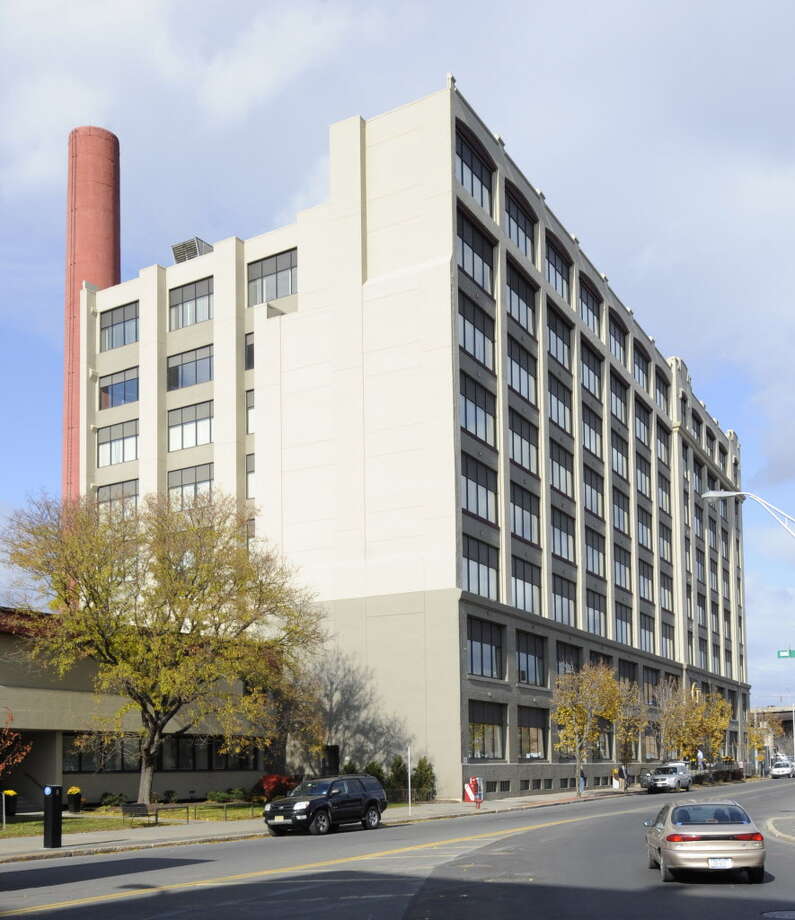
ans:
(96, 62)
(42, 112)
(270, 51)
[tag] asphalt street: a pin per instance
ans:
(584, 860)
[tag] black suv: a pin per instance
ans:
(321, 804)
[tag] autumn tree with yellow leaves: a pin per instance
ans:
(177, 613)
(686, 721)
(632, 717)
(715, 717)
(581, 702)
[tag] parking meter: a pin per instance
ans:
(53, 816)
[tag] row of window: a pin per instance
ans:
(185, 369)
(476, 259)
(477, 415)
(698, 656)
(480, 575)
(188, 426)
(488, 725)
(486, 654)
(190, 304)
(476, 337)
(183, 486)
(707, 442)
(187, 753)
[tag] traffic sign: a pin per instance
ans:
(786, 653)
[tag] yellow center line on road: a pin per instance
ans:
(302, 867)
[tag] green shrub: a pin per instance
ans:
(423, 779)
(376, 770)
(112, 798)
(169, 796)
(350, 766)
(398, 777)
(228, 795)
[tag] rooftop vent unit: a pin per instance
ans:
(190, 249)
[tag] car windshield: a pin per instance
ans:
(709, 814)
(311, 787)
(781, 763)
(665, 770)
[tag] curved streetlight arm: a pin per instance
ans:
(787, 521)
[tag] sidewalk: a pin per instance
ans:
(141, 836)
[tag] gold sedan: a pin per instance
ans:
(705, 836)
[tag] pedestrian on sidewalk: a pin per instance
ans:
(582, 781)
(622, 778)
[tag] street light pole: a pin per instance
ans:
(793, 729)
(787, 521)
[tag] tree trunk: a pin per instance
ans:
(577, 770)
(149, 751)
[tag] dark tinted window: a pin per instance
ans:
(311, 787)
(709, 814)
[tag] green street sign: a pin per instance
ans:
(786, 653)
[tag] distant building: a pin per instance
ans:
(776, 724)
(451, 424)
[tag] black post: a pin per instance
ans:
(52, 816)
(331, 760)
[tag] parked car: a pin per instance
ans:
(782, 768)
(671, 777)
(319, 805)
(717, 835)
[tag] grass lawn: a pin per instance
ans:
(234, 812)
(33, 825)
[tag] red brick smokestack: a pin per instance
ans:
(93, 255)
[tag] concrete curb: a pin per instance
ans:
(780, 835)
(124, 848)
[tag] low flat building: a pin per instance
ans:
(52, 712)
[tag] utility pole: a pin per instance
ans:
(409, 772)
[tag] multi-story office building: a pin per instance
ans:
(447, 419)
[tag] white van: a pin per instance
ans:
(782, 768)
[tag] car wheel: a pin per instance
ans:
(321, 823)
(652, 858)
(372, 818)
(666, 874)
(756, 875)
(678, 788)
(277, 831)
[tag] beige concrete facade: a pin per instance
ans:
(358, 441)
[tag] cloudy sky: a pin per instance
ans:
(661, 134)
